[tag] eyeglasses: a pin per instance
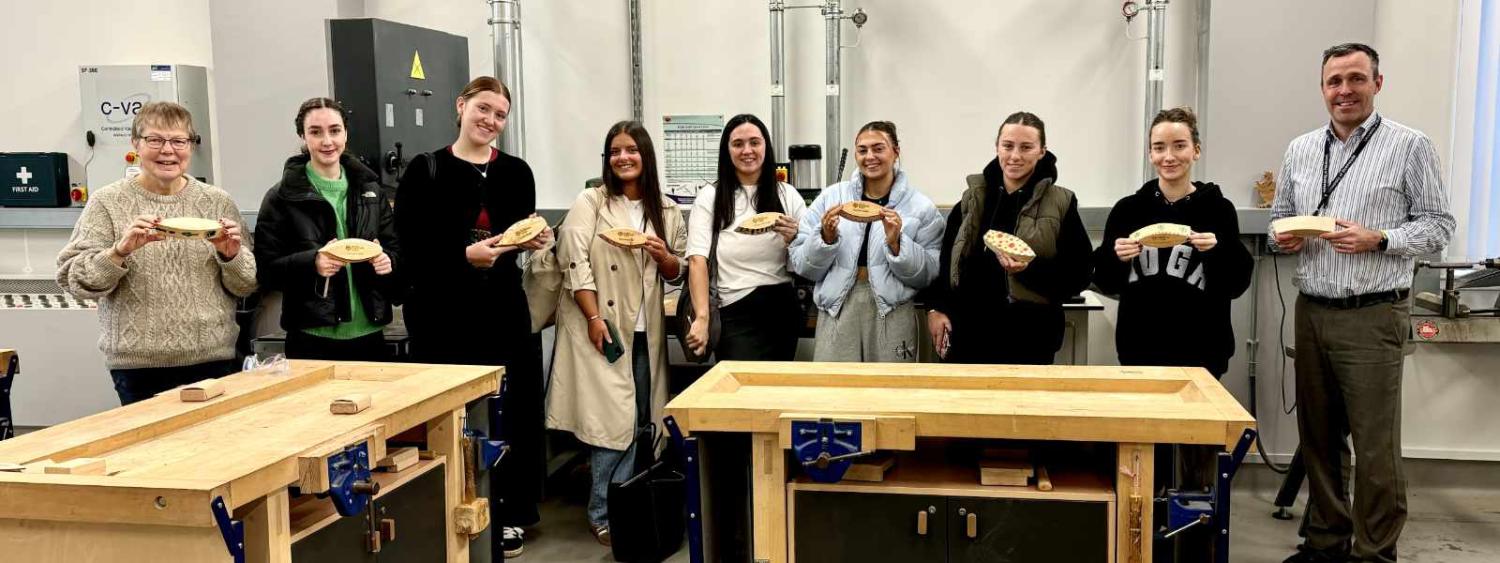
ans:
(159, 142)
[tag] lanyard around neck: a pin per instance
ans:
(1327, 150)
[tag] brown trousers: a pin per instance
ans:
(1349, 382)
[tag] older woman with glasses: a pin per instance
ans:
(166, 305)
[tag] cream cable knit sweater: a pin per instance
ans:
(173, 302)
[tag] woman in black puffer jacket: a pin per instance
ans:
(331, 309)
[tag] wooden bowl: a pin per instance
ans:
(861, 211)
(352, 249)
(522, 231)
(189, 227)
(1162, 235)
(1010, 245)
(1304, 225)
(629, 239)
(759, 223)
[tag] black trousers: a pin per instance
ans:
(368, 348)
(1013, 333)
(761, 326)
(139, 384)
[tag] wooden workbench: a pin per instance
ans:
(1131, 408)
(168, 460)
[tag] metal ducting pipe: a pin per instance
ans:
(778, 82)
(833, 16)
(505, 29)
(1200, 170)
(637, 79)
(1156, 36)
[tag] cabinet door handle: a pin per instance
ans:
(973, 525)
(921, 522)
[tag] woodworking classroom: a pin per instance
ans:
(750, 281)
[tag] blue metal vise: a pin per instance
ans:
(826, 448)
(1186, 510)
(487, 453)
(349, 482)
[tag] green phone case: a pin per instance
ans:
(613, 349)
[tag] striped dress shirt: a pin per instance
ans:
(1393, 186)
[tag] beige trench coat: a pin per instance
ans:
(590, 397)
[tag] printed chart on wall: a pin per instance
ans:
(691, 155)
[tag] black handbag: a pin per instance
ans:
(648, 511)
(686, 313)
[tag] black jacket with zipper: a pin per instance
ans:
(1174, 302)
(295, 221)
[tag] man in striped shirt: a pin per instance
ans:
(1379, 180)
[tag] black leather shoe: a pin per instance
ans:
(1305, 555)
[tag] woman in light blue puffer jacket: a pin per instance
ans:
(868, 273)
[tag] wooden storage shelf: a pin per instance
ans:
(925, 475)
(310, 513)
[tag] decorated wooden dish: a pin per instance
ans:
(1304, 225)
(352, 249)
(759, 223)
(189, 227)
(861, 211)
(1010, 245)
(629, 239)
(522, 231)
(1162, 235)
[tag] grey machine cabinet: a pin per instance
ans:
(861, 527)
(394, 115)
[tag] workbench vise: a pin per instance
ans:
(827, 448)
(349, 482)
(1210, 509)
(487, 453)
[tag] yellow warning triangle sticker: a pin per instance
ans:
(416, 66)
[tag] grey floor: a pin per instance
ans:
(1454, 518)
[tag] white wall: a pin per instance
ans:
(576, 77)
(261, 80)
(945, 73)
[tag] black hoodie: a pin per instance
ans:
(1174, 302)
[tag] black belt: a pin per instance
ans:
(1357, 301)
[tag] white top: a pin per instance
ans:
(637, 212)
(745, 261)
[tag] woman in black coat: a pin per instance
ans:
(466, 305)
(331, 310)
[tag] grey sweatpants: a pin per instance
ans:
(858, 334)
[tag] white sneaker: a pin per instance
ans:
(512, 541)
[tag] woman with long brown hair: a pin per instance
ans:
(610, 369)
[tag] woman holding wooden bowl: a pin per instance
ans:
(325, 238)
(166, 302)
(997, 300)
(739, 231)
(1179, 282)
(620, 243)
(870, 243)
(466, 304)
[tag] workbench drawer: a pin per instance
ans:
(862, 527)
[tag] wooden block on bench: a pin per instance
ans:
(1005, 472)
(80, 466)
(398, 460)
(201, 391)
(350, 404)
(871, 469)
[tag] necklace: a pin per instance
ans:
(483, 172)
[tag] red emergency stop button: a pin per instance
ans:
(78, 194)
(131, 157)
